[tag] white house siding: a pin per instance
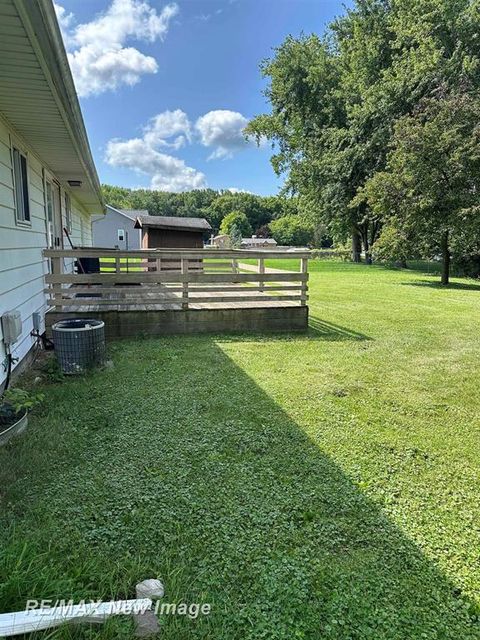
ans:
(105, 231)
(22, 267)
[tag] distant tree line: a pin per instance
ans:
(280, 217)
(376, 126)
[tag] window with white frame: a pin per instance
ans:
(20, 178)
(68, 213)
(50, 220)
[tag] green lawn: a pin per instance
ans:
(323, 486)
(126, 265)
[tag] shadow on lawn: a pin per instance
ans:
(333, 332)
(461, 286)
(317, 330)
(233, 504)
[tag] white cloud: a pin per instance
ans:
(96, 72)
(220, 130)
(223, 130)
(64, 19)
(166, 125)
(98, 57)
(142, 155)
(167, 172)
(236, 190)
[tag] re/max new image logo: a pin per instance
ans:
(54, 608)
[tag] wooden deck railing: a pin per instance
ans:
(142, 278)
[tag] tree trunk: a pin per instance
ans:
(356, 246)
(375, 231)
(445, 259)
(368, 253)
(366, 244)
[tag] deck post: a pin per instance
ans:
(304, 288)
(184, 269)
(117, 265)
(57, 269)
(261, 270)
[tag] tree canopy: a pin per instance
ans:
(430, 187)
(292, 231)
(236, 221)
(336, 99)
(206, 203)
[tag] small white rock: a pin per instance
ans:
(150, 588)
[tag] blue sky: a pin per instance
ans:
(166, 88)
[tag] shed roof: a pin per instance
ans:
(181, 223)
(258, 241)
(133, 213)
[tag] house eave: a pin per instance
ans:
(40, 23)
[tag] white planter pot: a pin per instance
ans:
(15, 430)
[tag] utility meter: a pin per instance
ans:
(11, 326)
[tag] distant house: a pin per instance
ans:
(116, 229)
(222, 241)
(49, 187)
(171, 232)
(258, 243)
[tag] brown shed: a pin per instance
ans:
(172, 232)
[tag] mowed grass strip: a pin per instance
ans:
(126, 265)
(323, 486)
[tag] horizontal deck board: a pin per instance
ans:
(112, 278)
(147, 289)
(175, 254)
(138, 304)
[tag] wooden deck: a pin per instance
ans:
(180, 291)
(159, 298)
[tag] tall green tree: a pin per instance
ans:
(258, 210)
(235, 236)
(335, 99)
(292, 231)
(323, 160)
(238, 221)
(431, 184)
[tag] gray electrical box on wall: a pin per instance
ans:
(37, 321)
(11, 326)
